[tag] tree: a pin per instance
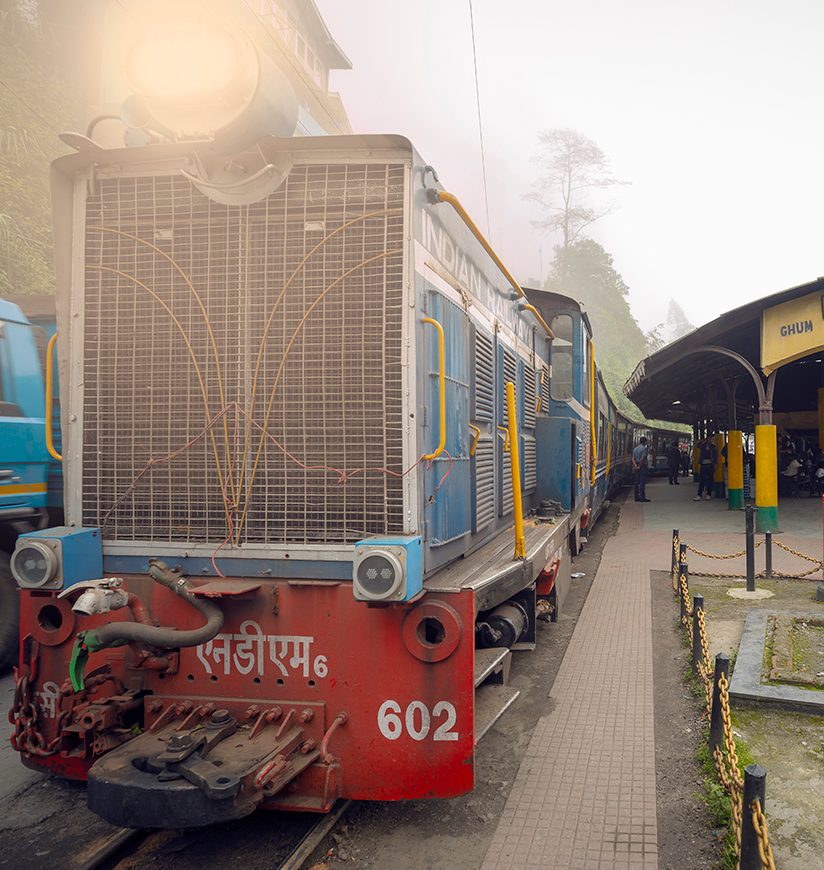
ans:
(35, 103)
(677, 323)
(571, 167)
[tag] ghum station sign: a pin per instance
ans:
(791, 330)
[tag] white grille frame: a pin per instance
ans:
(75, 394)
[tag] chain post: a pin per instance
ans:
(697, 650)
(685, 571)
(755, 778)
(682, 553)
(768, 554)
(674, 557)
(722, 666)
(750, 535)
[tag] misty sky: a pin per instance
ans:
(713, 110)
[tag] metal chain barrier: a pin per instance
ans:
(759, 823)
(725, 755)
(720, 555)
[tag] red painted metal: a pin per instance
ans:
(407, 694)
(225, 588)
(545, 582)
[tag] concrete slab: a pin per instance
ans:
(746, 682)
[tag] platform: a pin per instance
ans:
(585, 794)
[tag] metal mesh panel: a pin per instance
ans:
(179, 290)
(484, 377)
(484, 461)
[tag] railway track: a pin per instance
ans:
(115, 849)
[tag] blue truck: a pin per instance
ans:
(31, 480)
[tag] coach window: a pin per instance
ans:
(560, 383)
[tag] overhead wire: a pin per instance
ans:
(480, 122)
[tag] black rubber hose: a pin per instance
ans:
(165, 638)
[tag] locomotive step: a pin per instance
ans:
(492, 664)
(491, 702)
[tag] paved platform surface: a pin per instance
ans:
(584, 797)
(585, 794)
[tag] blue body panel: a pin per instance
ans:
(23, 454)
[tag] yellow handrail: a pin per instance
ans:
(506, 438)
(443, 196)
(477, 431)
(533, 310)
(515, 462)
(441, 388)
(50, 398)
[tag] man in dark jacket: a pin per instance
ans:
(673, 463)
(707, 457)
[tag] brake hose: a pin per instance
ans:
(120, 633)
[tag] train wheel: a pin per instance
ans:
(9, 614)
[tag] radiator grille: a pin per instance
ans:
(329, 370)
(484, 377)
(529, 396)
(484, 483)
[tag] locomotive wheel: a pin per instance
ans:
(9, 614)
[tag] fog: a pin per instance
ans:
(712, 110)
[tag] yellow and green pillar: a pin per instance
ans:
(735, 470)
(718, 477)
(766, 478)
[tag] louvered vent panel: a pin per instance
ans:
(530, 464)
(226, 342)
(529, 396)
(510, 373)
(545, 390)
(484, 483)
(506, 482)
(484, 377)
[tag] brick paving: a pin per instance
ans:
(584, 797)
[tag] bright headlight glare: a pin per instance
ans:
(191, 60)
(195, 77)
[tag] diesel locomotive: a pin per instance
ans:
(326, 464)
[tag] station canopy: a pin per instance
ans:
(688, 380)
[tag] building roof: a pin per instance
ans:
(683, 382)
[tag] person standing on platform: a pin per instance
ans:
(707, 457)
(639, 466)
(685, 462)
(673, 463)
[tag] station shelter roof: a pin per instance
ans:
(686, 381)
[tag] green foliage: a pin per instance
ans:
(585, 271)
(34, 106)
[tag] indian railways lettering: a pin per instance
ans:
(246, 652)
(796, 328)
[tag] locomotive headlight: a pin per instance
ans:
(379, 574)
(34, 564)
(194, 77)
(387, 569)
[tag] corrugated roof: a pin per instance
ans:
(681, 383)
